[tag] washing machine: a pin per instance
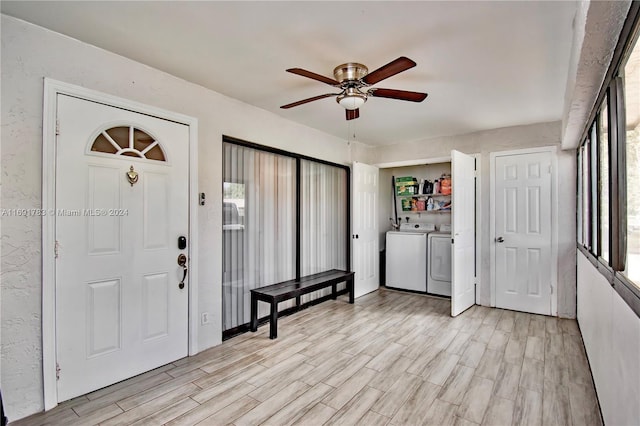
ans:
(406, 256)
(439, 262)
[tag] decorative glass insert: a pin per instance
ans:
(128, 141)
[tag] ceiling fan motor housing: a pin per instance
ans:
(351, 71)
(349, 76)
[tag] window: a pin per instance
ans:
(233, 206)
(284, 216)
(585, 194)
(593, 195)
(128, 141)
(603, 180)
(579, 205)
(259, 232)
(632, 164)
(608, 171)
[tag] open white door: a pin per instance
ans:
(365, 228)
(463, 293)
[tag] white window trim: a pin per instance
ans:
(51, 90)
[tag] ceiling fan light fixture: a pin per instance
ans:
(352, 99)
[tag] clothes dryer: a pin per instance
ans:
(439, 264)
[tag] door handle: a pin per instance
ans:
(182, 261)
(499, 240)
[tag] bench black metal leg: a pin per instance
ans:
(254, 313)
(334, 290)
(351, 289)
(273, 322)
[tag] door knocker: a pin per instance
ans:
(132, 176)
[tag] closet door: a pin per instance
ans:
(366, 256)
(463, 289)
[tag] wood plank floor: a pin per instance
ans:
(392, 358)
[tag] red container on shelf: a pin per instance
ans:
(445, 185)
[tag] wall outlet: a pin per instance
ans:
(205, 318)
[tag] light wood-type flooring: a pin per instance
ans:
(392, 358)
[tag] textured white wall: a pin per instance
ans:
(30, 53)
(597, 26)
(506, 139)
(611, 334)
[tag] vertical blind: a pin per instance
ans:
(258, 235)
(260, 222)
(324, 221)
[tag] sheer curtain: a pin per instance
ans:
(259, 225)
(323, 220)
(260, 221)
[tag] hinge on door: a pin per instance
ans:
(452, 241)
(550, 169)
(551, 287)
(57, 127)
(58, 369)
(56, 247)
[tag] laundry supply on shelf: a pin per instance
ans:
(406, 185)
(445, 184)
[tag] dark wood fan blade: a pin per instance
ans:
(304, 101)
(352, 114)
(386, 71)
(313, 75)
(402, 95)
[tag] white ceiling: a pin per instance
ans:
(485, 65)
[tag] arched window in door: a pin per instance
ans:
(128, 141)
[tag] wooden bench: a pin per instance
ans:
(286, 290)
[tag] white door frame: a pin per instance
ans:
(52, 88)
(554, 218)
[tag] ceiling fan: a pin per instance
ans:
(355, 80)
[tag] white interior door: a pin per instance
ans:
(463, 229)
(119, 308)
(523, 232)
(365, 228)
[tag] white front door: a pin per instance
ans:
(122, 203)
(463, 230)
(365, 229)
(523, 232)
